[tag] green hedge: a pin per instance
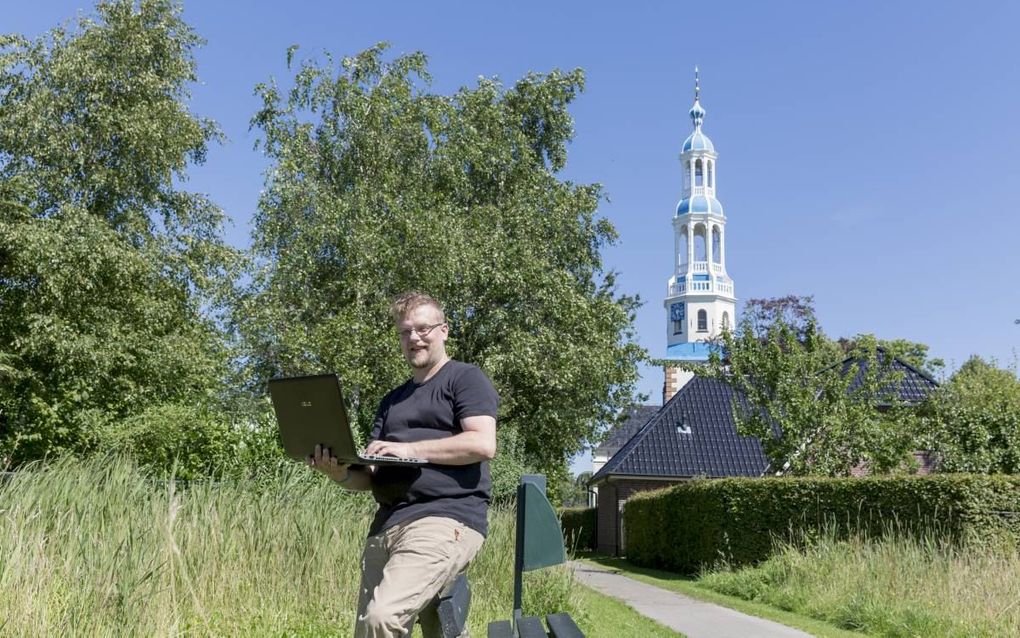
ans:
(697, 524)
(578, 528)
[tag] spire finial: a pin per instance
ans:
(697, 113)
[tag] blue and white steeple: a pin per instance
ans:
(699, 298)
(699, 179)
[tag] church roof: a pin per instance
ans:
(694, 434)
(699, 204)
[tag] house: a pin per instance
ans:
(694, 435)
(914, 385)
(631, 421)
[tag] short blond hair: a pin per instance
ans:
(408, 301)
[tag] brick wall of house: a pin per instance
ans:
(612, 494)
(606, 519)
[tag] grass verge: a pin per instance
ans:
(606, 617)
(690, 587)
(893, 586)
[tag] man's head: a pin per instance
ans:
(422, 327)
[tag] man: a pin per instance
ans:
(431, 519)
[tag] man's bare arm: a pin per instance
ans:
(476, 443)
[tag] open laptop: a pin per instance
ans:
(310, 411)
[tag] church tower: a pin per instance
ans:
(699, 298)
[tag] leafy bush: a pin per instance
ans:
(697, 524)
(578, 525)
(508, 466)
(191, 441)
(972, 424)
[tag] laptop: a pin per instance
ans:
(310, 411)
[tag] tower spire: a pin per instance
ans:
(697, 113)
(699, 299)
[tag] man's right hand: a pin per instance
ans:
(324, 461)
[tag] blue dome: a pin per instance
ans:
(698, 141)
(699, 204)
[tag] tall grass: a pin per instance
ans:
(95, 548)
(895, 586)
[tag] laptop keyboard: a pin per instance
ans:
(385, 457)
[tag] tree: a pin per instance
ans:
(573, 490)
(973, 422)
(109, 272)
(813, 413)
(911, 352)
(379, 186)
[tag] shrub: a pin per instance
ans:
(578, 525)
(191, 441)
(693, 525)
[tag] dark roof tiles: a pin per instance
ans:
(914, 385)
(633, 420)
(712, 448)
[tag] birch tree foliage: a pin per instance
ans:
(379, 185)
(814, 414)
(109, 269)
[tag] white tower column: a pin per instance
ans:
(708, 246)
(690, 246)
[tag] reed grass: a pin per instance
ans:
(893, 586)
(96, 548)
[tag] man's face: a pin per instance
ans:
(423, 350)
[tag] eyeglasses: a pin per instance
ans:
(422, 331)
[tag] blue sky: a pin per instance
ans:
(868, 151)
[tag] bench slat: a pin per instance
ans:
(501, 629)
(531, 627)
(561, 625)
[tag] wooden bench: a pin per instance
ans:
(538, 544)
(560, 626)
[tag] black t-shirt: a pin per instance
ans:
(426, 411)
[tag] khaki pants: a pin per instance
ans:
(404, 568)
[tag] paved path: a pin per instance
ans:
(681, 613)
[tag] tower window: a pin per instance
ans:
(699, 178)
(678, 327)
(726, 321)
(711, 174)
(702, 321)
(716, 245)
